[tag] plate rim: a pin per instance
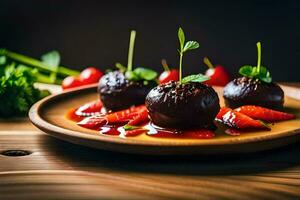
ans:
(57, 131)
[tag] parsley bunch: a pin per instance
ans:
(18, 73)
(17, 93)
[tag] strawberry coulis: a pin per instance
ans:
(93, 116)
(146, 128)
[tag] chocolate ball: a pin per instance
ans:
(117, 92)
(183, 106)
(248, 91)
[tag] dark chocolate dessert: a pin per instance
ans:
(182, 106)
(249, 91)
(254, 88)
(117, 92)
(127, 87)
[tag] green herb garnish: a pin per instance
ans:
(195, 78)
(137, 74)
(128, 127)
(258, 72)
(184, 47)
(19, 58)
(121, 67)
(141, 74)
(51, 59)
(18, 73)
(17, 92)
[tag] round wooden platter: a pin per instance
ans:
(49, 116)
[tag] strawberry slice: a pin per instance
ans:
(238, 120)
(142, 116)
(134, 115)
(124, 115)
(134, 132)
(93, 122)
(89, 109)
(269, 115)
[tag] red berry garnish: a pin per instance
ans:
(71, 82)
(218, 74)
(168, 75)
(90, 75)
(269, 115)
(238, 120)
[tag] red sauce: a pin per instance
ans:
(72, 116)
(233, 132)
(147, 128)
(109, 130)
(155, 131)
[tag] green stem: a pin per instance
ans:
(37, 64)
(180, 67)
(165, 65)
(41, 78)
(258, 56)
(130, 51)
(208, 63)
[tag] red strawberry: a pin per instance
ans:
(134, 114)
(238, 120)
(93, 122)
(134, 132)
(89, 109)
(269, 115)
(124, 115)
(141, 117)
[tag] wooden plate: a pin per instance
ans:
(49, 116)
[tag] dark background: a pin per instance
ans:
(96, 32)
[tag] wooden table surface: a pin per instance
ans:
(58, 170)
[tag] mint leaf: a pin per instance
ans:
(264, 72)
(266, 79)
(51, 59)
(190, 45)
(130, 75)
(195, 78)
(2, 60)
(181, 38)
(145, 74)
(252, 72)
(246, 70)
(258, 72)
(121, 67)
(141, 74)
(128, 127)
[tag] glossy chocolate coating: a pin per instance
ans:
(247, 91)
(183, 106)
(117, 92)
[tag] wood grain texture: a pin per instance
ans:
(60, 170)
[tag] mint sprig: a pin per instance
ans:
(184, 47)
(258, 72)
(137, 74)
